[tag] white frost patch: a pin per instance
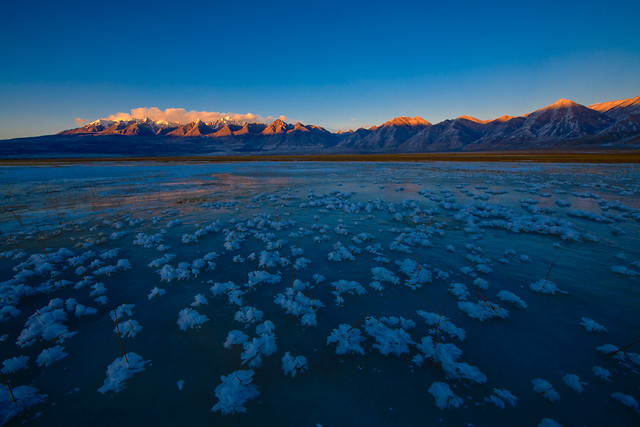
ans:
(601, 372)
(270, 259)
(545, 287)
(444, 396)
(8, 311)
(14, 364)
(573, 382)
(348, 339)
(234, 391)
(548, 422)
(79, 310)
(483, 310)
(626, 400)
(592, 326)
(261, 276)
(50, 355)
(381, 274)
(248, 314)
(234, 338)
(619, 269)
(545, 388)
(502, 397)
(98, 289)
(481, 283)
(417, 274)
(300, 305)
(459, 290)
(159, 262)
(219, 289)
(613, 351)
(121, 311)
(128, 328)
(301, 263)
(120, 371)
(447, 355)
(198, 300)
(189, 318)
(47, 326)
(345, 286)
(25, 396)
(148, 240)
(388, 340)
(443, 323)
(292, 365)
(156, 292)
(512, 298)
(340, 253)
(263, 345)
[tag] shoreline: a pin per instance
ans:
(610, 157)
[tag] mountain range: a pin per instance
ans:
(561, 125)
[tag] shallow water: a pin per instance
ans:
(466, 215)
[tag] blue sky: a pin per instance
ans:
(338, 64)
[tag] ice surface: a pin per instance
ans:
(411, 273)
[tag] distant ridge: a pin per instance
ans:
(564, 124)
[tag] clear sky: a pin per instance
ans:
(338, 64)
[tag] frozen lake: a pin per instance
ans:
(415, 294)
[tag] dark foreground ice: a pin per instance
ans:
(319, 293)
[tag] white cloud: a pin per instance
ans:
(180, 115)
(79, 121)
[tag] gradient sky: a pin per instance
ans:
(338, 64)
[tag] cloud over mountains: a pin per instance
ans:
(180, 115)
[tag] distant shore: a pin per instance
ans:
(618, 156)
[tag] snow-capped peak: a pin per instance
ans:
(561, 103)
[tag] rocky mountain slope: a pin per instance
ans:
(561, 125)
